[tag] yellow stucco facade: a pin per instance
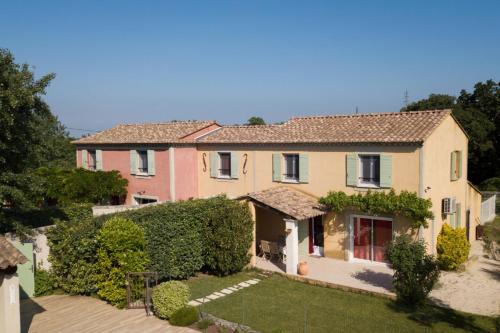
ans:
(424, 169)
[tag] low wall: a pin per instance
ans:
(40, 246)
(104, 210)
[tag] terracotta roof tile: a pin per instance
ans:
(396, 127)
(293, 203)
(9, 255)
(168, 132)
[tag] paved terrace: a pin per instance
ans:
(370, 277)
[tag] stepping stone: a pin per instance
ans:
(255, 279)
(233, 289)
(193, 303)
(203, 300)
(237, 287)
(212, 297)
(226, 291)
(244, 284)
(252, 282)
(218, 294)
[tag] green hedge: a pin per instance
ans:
(169, 297)
(73, 253)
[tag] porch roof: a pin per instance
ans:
(9, 255)
(291, 202)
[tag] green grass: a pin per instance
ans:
(279, 303)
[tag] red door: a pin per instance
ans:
(382, 234)
(362, 238)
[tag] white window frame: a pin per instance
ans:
(285, 178)
(139, 172)
(219, 165)
(351, 239)
(362, 183)
(91, 155)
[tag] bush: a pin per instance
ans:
(184, 236)
(452, 247)
(228, 235)
(205, 324)
(121, 250)
(169, 297)
(73, 253)
(415, 273)
(44, 283)
(185, 316)
(491, 238)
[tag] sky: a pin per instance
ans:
(152, 61)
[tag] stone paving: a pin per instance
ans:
(224, 292)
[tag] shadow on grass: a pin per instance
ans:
(429, 315)
(377, 279)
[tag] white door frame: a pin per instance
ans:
(351, 238)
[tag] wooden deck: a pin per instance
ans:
(62, 313)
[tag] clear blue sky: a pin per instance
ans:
(142, 61)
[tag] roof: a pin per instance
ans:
(168, 132)
(396, 127)
(288, 201)
(9, 255)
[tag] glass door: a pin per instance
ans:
(370, 237)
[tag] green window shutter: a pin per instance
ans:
(452, 220)
(459, 163)
(453, 166)
(85, 164)
(133, 162)
(98, 159)
(385, 171)
(214, 162)
(303, 168)
(276, 167)
(151, 162)
(234, 165)
(459, 214)
(352, 169)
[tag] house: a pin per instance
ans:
(158, 159)
(10, 257)
(282, 170)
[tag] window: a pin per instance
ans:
(292, 167)
(143, 161)
(144, 200)
(456, 165)
(92, 160)
(369, 167)
(224, 165)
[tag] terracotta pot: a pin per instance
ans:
(303, 268)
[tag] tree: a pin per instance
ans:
(479, 114)
(255, 121)
(30, 135)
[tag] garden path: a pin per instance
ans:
(224, 292)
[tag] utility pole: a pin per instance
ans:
(357, 110)
(406, 98)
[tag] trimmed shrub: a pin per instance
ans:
(121, 249)
(415, 273)
(73, 254)
(228, 235)
(44, 283)
(169, 297)
(452, 247)
(185, 316)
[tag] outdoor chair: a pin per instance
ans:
(274, 250)
(265, 249)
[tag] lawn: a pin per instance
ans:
(279, 303)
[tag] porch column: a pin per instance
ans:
(292, 245)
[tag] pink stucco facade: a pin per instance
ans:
(186, 174)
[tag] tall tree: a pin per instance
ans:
(479, 114)
(30, 135)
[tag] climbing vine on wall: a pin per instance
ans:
(407, 204)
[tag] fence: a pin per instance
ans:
(488, 207)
